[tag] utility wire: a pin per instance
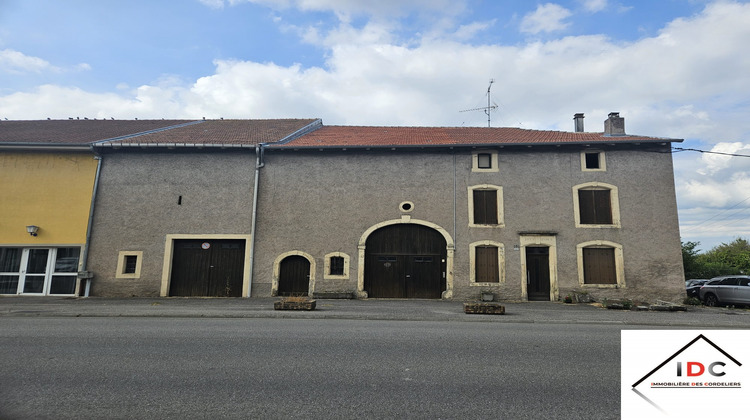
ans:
(680, 149)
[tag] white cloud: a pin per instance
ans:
(346, 8)
(594, 6)
(546, 18)
(15, 62)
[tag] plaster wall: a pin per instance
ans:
(49, 190)
(323, 202)
(145, 196)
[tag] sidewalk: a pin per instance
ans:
(370, 309)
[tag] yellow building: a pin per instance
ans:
(48, 174)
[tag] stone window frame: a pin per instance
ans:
(619, 264)
(122, 258)
(500, 210)
(500, 263)
(602, 161)
(614, 202)
(327, 266)
(494, 165)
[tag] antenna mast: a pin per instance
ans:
(490, 105)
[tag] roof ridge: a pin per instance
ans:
(143, 133)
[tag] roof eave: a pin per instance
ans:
(46, 146)
(609, 140)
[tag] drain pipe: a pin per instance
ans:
(85, 254)
(259, 163)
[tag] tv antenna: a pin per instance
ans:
(491, 106)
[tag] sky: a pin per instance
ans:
(672, 68)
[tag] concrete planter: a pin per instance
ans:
(286, 305)
(486, 308)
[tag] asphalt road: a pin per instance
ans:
(181, 368)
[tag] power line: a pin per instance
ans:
(680, 149)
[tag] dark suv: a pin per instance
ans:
(726, 290)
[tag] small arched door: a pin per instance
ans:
(405, 261)
(294, 276)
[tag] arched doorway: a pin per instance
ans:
(294, 276)
(405, 261)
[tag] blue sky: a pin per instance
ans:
(672, 68)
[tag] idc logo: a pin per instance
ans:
(700, 368)
(697, 369)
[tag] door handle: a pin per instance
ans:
(408, 276)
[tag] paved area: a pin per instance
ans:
(371, 309)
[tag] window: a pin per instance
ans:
(593, 161)
(44, 271)
(484, 161)
(336, 266)
(485, 206)
(486, 264)
(600, 264)
(487, 261)
(596, 205)
(129, 264)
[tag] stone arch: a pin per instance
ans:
(277, 270)
(450, 251)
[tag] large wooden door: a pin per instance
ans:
(537, 273)
(294, 276)
(207, 267)
(405, 261)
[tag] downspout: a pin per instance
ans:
(85, 256)
(259, 163)
(455, 240)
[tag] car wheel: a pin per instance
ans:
(710, 300)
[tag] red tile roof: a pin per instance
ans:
(352, 136)
(219, 133)
(75, 131)
(149, 132)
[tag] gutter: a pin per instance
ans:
(259, 163)
(471, 145)
(89, 226)
(46, 146)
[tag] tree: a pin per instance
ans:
(735, 254)
(725, 259)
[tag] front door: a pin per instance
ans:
(537, 273)
(207, 267)
(294, 276)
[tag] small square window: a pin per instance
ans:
(337, 266)
(484, 161)
(131, 262)
(592, 160)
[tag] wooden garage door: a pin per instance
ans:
(405, 261)
(207, 267)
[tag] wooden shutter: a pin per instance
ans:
(599, 266)
(595, 207)
(485, 207)
(486, 264)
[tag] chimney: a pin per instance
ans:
(614, 125)
(578, 119)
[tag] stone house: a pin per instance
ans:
(423, 212)
(272, 207)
